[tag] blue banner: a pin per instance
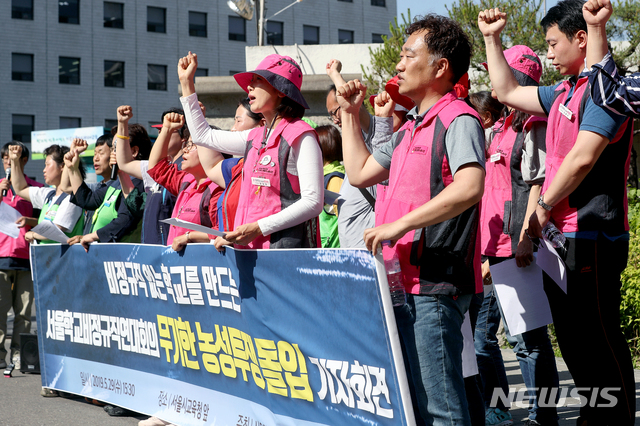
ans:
(248, 337)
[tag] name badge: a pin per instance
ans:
(258, 181)
(419, 150)
(495, 157)
(566, 112)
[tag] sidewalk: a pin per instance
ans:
(22, 404)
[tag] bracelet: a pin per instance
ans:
(187, 234)
(123, 137)
(544, 205)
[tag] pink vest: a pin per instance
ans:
(442, 258)
(504, 203)
(17, 247)
(267, 187)
(599, 203)
(192, 205)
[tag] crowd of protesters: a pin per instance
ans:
(457, 183)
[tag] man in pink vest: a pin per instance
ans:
(430, 212)
(16, 287)
(584, 195)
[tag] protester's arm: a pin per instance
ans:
(574, 168)
(524, 251)
(361, 168)
(123, 145)
(19, 183)
(596, 13)
(168, 175)
(524, 98)
(465, 191)
(72, 163)
(333, 69)
(181, 241)
(215, 173)
(171, 124)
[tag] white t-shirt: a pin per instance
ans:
(67, 214)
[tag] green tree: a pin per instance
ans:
(625, 25)
(523, 27)
(385, 58)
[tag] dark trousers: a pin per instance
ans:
(587, 324)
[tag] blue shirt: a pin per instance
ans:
(594, 119)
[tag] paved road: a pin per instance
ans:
(22, 405)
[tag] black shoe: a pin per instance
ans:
(115, 411)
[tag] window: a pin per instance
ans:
(110, 123)
(275, 33)
(22, 9)
(345, 37)
(381, 3)
(232, 72)
(113, 74)
(69, 11)
(156, 19)
(237, 28)
(70, 122)
(156, 77)
(21, 127)
(113, 15)
(311, 34)
(21, 67)
(377, 38)
(69, 70)
(202, 72)
(347, 1)
(197, 24)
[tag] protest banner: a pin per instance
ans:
(260, 337)
(42, 139)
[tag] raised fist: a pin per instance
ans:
(125, 112)
(491, 21)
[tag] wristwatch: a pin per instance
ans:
(544, 205)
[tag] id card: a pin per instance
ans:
(566, 112)
(495, 157)
(258, 181)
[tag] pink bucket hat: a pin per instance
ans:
(525, 65)
(281, 72)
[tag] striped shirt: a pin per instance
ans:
(613, 92)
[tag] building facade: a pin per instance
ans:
(71, 63)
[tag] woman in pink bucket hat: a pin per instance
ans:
(514, 175)
(282, 183)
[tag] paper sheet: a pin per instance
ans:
(50, 231)
(8, 217)
(552, 264)
(193, 227)
(469, 362)
(330, 197)
(522, 298)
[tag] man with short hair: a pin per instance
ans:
(16, 287)
(355, 205)
(430, 214)
(584, 195)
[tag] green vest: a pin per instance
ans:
(49, 212)
(329, 221)
(107, 210)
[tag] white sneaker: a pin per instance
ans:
(15, 360)
(154, 421)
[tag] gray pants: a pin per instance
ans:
(16, 290)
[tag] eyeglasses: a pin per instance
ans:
(335, 113)
(188, 146)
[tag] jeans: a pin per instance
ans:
(587, 324)
(538, 366)
(20, 297)
(488, 354)
(431, 338)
